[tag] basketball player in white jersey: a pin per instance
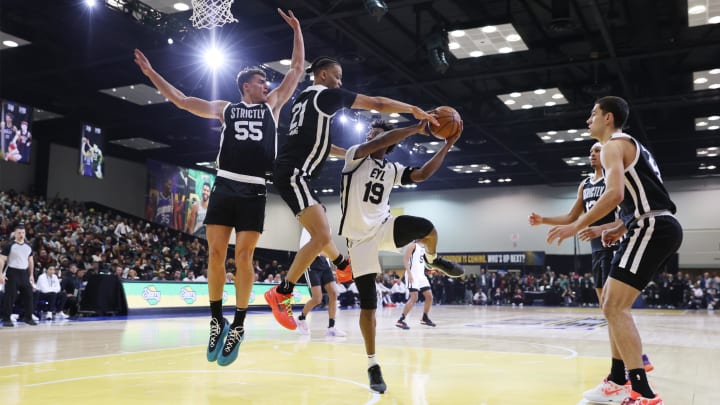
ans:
(368, 226)
(414, 260)
(302, 157)
(650, 235)
(248, 146)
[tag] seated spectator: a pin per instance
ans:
(518, 298)
(48, 287)
(480, 298)
(383, 293)
(399, 292)
(189, 277)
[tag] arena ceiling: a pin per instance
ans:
(647, 51)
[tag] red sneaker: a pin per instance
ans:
(637, 399)
(281, 305)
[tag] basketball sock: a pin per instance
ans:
(301, 317)
(430, 257)
(331, 323)
(216, 309)
(285, 287)
(639, 381)
(340, 262)
(402, 318)
(239, 317)
(425, 316)
(372, 360)
(617, 372)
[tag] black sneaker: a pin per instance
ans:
(377, 383)
(8, 323)
(451, 269)
(402, 325)
(428, 322)
(231, 347)
(30, 321)
(218, 332)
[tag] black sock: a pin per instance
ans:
(402, 318)
(301, 317)
(639, 381)
(331, 323)
(425, 317)
(617, 372)
(216, 309)
(285, 287)
(239, 317)
(340, 262)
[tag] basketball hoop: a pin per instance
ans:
(211, 13)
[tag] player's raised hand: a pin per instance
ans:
(142, 62)
(418, 113)
(561, 232)
(290, 19)
(535, 219)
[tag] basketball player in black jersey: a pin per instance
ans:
(237, 200)
(302, 157)
(650, 235)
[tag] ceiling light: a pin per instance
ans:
(475, 54)
(181, 7)
(485, 41)
(714, 20)
(537, 98)
(285, 62)
(489, 29)
(10, 44)
(513, 38)
(505, 49)
(376, 8)
(457, 33)
(453, 45)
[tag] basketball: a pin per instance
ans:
(449, 120)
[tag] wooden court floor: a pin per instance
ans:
(475, 355)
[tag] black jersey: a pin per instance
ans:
(308, 141)
(592, 190)
(248, 143)
(644, 188)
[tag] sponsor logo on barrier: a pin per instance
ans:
(188, 295)
(151, 295)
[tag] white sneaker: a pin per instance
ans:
(302, 327)
(48, 316)
(608, 391)
(60, 316)
(14, 317)
(35, 318)
(336, 332)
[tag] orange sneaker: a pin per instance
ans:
(281, 305)
(646, 364)
(637, 399)
(608, 392)
(344, 275)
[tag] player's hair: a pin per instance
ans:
(207, 184)
(618, 107)
(320, 63)
(385, 126)
(246, 75)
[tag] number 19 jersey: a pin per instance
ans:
(365, 195)
(248, 141)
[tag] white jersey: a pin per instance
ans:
(365, 196)
(417, 268)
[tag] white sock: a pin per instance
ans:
(430, 257)
(372, 360)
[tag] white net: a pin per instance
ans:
(211, 13)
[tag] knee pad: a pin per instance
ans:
(367, 292)
(408, 228)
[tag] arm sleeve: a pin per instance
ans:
(405, 178)
(329, 101)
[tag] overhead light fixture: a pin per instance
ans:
(532, 99)
(712, 151)
(472, 42)
(577, 161)
(706, 79)
(703, 12)
(710, 123)
(567, 135)
(376, 8)
(436, 45)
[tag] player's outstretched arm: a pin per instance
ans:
(197, 106)
(388, 105)
(391, 137)
(432, 165)
(574, 213)
(278, 97)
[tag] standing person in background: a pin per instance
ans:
(18, 276)
(416, 282)
(319, 275)
(650, 235)
(237, 201)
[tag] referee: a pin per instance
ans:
(17, 276)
